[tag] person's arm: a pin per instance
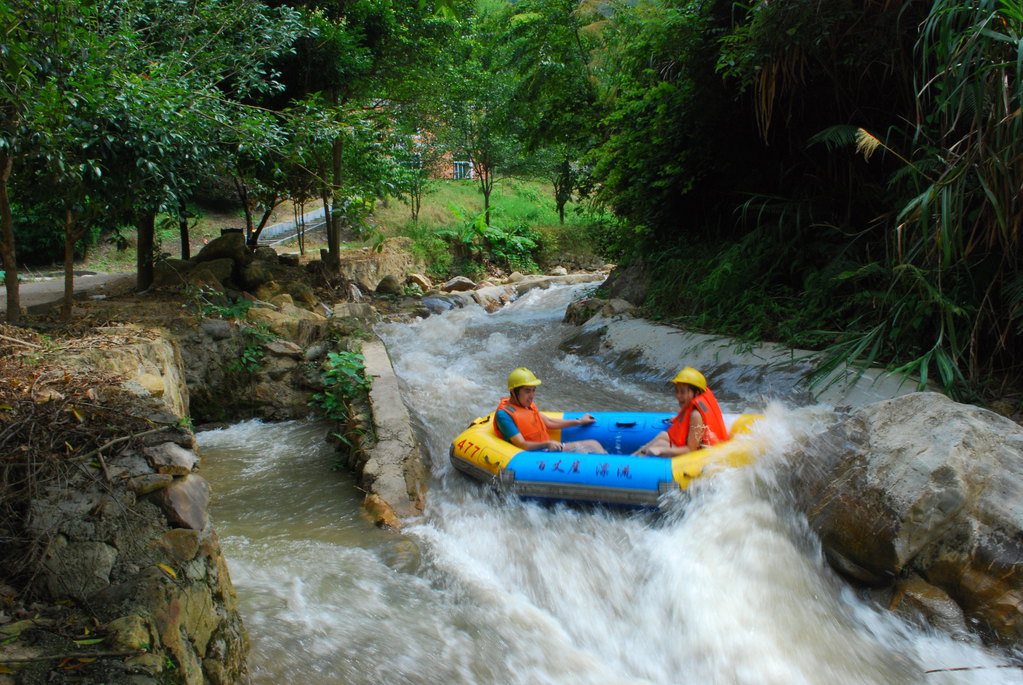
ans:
(557, 424)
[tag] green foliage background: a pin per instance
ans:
(838, 175)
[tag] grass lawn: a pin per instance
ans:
(515, 203)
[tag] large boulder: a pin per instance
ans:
(630, 283)
(923, 486)
(150, 363)
(228, 246)
(368, 268)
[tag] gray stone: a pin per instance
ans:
(629, 283)
(186, 501)
(78, 569)
(422, 281)
(265, 253)
(581, 311)
(316, 351)
(254, 275)
(458, 284)
(171, 273)
(229, 246)
(219, 269)
(150, 482)
(171, 458)
(283, 348)
(218, 329)
(355, 310)
(365, 269)
(394, 470)
(917, 600)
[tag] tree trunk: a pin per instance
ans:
(146, 227)
(186, 248)
(563, 187)
(243, 196)
(253, 241)
(69, 265)
(485, 178)
(328, 218)
(334, 224)
(336, 169)
(10, 263)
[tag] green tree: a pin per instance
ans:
(550, 45)
(476, 109)
(365, 57)
(417, 157)
(139, 94)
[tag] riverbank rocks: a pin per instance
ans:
(234, 371)
(458, 284)
(921, 486)
(581, 311)
(630, 283)
(138, 567)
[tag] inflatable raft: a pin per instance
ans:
(613, 478)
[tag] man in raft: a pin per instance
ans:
(518, 421)
(698, 424)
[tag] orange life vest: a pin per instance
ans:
(528, 420)
(716, 431)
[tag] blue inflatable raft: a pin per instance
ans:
(614, 478)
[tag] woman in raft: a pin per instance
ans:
(698, 424)
(518, 421)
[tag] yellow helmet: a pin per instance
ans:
(692, 377)
(522, 376)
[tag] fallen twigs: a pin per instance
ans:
(71, 655)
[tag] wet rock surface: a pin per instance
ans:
(924, 487)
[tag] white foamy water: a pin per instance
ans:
(726, 586)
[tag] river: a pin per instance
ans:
(727, 585)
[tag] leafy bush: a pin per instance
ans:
(206, 303)
(474, 240)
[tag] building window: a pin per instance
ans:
(462, 170)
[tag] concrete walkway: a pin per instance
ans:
(37, 296)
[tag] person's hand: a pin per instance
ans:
(586, 419)
(553, 446)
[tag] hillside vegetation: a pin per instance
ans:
(842, 176)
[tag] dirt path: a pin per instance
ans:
(40, 295)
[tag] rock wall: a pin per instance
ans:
(390, 465)
(129, 542)
(235, 372)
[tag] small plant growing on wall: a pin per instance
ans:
(208, 303)
(345, 380)
(250, 358)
